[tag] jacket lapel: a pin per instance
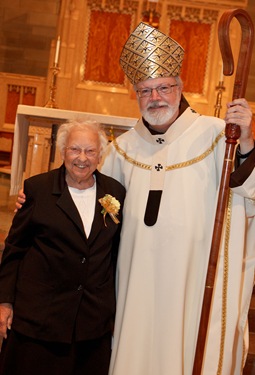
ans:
(98, 221)
(65, 201)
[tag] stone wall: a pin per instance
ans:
(27, 28)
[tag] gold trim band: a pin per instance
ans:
(169, 167)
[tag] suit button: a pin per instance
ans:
(80, 287)
(83, 260)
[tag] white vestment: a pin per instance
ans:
(162, 268)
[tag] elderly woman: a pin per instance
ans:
(57, 300)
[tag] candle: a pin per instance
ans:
(57, 50)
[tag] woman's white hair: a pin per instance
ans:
(81, 124)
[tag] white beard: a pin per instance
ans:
(162, 116)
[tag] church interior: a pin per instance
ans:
(59, 59)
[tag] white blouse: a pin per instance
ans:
(85, 203)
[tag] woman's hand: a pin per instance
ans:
(21, 199)
(6, 316)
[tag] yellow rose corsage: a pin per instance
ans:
(110, 206)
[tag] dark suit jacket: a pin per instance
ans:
(60, 282)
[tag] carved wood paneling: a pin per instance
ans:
(18, 94)
(13, 97)
(29, 95)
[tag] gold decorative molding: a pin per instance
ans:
(37, 130)
(29, 90)
(210, 15)
(114, 5)
(174, 12)
(192, 14)
(130, 6)
(15, 88)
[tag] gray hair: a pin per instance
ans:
(179, 82)
(81, 124)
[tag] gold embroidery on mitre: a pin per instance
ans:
(148, 53)
(173, 166)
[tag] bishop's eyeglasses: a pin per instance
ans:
(161, 90)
